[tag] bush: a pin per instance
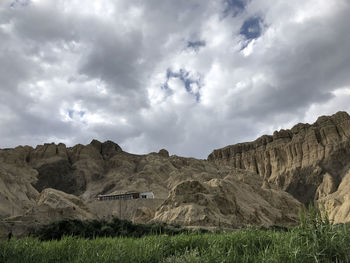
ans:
(101, 228)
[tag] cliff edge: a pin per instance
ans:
(309, 161)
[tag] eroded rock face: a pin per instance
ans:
(227, 202)
(143, 214)
(107, 149)
(203, 193)
(60, 175)
(49, 152)
(337, 203)
(53, 204)
(296, 160)
(16, 178)
(244, 184)
(16, 191)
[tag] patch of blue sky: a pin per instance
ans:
(185, 77)
(19, 3)
(234, 7)
(71, 113)
(252, 28)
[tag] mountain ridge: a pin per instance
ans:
(263, 182)
(311, 149)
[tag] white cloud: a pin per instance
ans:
(72, 71)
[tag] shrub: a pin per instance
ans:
(101, 228)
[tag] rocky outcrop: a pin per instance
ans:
(298, 160)
(228, 202)
(16, 191)
(65, 179)
(337, 203)
(143, 214)
(163, 153)
(47, 153)
(53, 205)
(107, 149)
(258, 183)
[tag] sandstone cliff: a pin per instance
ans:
(308, 161)
(243, 184)
(17, 193)
(227, 202)
(54, 181)
(54, 205)
(337, 204)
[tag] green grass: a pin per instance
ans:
(315, 240)
(249, 245)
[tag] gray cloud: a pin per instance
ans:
(189, 76)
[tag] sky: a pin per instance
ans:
(189, 76)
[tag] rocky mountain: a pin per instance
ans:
(309, 161)
(54, 181)
(261, 183)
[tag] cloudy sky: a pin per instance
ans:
(186, 75)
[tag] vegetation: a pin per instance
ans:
(101, 228)
(315, 240)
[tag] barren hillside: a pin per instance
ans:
(262, 182)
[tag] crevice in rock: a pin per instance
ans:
(338, 133)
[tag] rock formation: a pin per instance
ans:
(261, 183)
(337, 203)
(53, 205)
(227, 202)
(52, 181)
(17, 193)
(308, 161)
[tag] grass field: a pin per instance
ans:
(315, 240)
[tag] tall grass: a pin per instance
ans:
(315, 240)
